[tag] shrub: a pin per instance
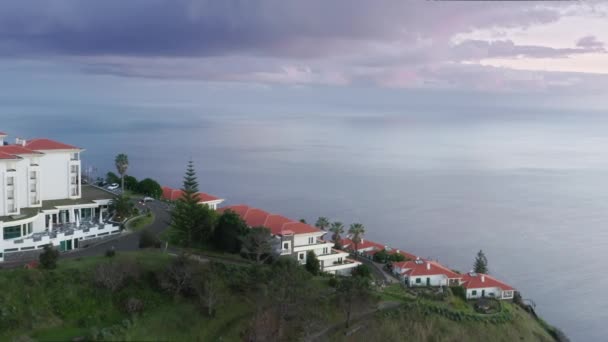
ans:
(362, 271)
(110, 252)
(148, 239)
(312, 263)
(133, 305)
(113, 275)
(333, 281)
(48, 258)
(459, 291)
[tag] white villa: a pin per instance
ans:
(295, 239)
(479, 285)
(42, 200)
(421, 272)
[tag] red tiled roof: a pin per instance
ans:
(278, 225)
(3, 134)
(300, 228)
(475, 282)
(174, 194)
(276, 222)
(48, 144)
(255, 217)
(362, 245)
(16, 149)
(420, 267)
(7, 156)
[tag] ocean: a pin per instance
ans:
(529, 190)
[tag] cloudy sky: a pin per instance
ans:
(538, 47)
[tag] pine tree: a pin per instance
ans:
(481, 263)
(186, 216)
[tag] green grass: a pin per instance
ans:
(409, 325)
(141, 222)
(62, 304)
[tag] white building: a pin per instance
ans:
(421, 272)
(296, 239)
(42, 200)
(479, 285)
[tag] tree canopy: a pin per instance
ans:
(322, 223)
(150, 187)
(122, 165)
(230, 231)
(481, 263)
(356, 231)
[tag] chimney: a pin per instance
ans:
(428, 265)
(483, 278)
(20, 142)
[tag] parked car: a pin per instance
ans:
(148, 199)
(113, 186)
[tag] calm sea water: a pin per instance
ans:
(530, 191)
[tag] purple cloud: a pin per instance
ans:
(589, 42)
(386, 42)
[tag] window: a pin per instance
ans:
(311, 240)
(474, 292)
(33, 175)
(301, 256)
(10, 181)
(74, 156)
(286, 245)
(12, 232)
(325, 250)
(418, 280)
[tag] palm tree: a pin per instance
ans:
(336, 229)
(322, 223)
(122, 164)
(356, 232)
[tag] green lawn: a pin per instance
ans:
(141, 222)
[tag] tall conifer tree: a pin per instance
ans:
(186, 215)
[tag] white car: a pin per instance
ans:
(148, 199)
(113, 186)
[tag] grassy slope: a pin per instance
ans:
(412, 326)
(57, 305)
(63, 304)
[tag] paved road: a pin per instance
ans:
(129, 241)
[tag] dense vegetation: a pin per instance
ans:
(149, 295)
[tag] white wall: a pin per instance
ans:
(302, 239)
(54, 173)
(489, 292)
(435, 280)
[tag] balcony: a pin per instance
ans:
(336, 265)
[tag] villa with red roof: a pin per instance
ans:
(296, 239)
(171, 194)
(43, 201)
(421, 272)
(369, 248)
(479, 285)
